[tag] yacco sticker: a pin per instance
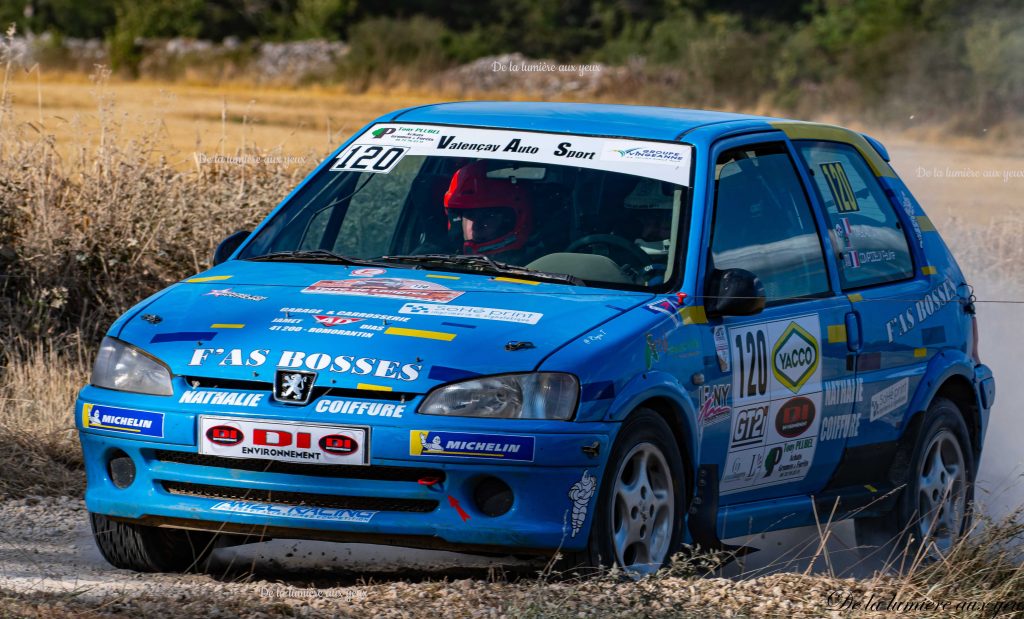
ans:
(922, 310)
(890, 399)
(221, 398)
(387, 288)
(354, 407)
(579, 500)
(843, 391)
(615, 155)
(284, 441)
(228, 292)
(795, 357)
(279, 510)
(839, 186)
(471, 445)
(339, 364)
(469, 311)
(140, 423)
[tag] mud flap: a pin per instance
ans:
(703, 518)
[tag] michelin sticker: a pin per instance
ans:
(468, 311)
(471, 445)
(383, 145)
(579, 497)
(776, 402)
(141, 423)
(279, 510)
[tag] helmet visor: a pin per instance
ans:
(480, 225)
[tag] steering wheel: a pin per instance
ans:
(633, 261)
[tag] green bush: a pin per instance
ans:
(383, 48)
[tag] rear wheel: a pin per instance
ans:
(933, 510)
(638, 521)
(150, 549)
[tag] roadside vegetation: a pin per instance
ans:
(905, 61)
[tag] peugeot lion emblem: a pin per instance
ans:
(293, 387)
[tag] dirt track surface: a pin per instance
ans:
(50, 567)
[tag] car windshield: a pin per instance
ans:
(577, 209)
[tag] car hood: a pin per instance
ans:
(396, 329)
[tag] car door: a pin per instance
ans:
(894, 304)
(762, 405)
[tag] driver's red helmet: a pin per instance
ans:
(471, 189)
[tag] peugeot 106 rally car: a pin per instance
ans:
(521, 327)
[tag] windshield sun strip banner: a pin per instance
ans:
(384, 145)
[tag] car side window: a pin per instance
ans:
(763, 223)
(865, 228)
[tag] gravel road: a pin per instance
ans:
(49, 567)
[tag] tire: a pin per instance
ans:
(934, 509)
(150, 549)
(646, 510)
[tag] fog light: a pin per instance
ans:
(122, 470)
(492, 496)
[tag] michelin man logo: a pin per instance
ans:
(433, 446)
(580, 495)
(94, 418)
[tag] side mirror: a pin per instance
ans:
(228, 246)
(734, 292)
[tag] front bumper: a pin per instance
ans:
(400, 498)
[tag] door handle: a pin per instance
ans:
(853, 336)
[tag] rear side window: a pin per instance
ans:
(864, 226)
(763, 223)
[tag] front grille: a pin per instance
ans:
(343, 471)
(306, 499)
(206, 382)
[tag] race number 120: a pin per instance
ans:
(369, 158)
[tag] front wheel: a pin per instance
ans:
(150, 549)
(638, 522)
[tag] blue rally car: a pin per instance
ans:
(527, 327)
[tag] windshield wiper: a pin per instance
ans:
(314, 255)
(479, 262)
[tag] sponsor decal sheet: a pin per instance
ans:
(776, 395)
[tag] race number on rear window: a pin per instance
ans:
(369, 158)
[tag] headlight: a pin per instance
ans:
(126, 368)
(515, 396)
